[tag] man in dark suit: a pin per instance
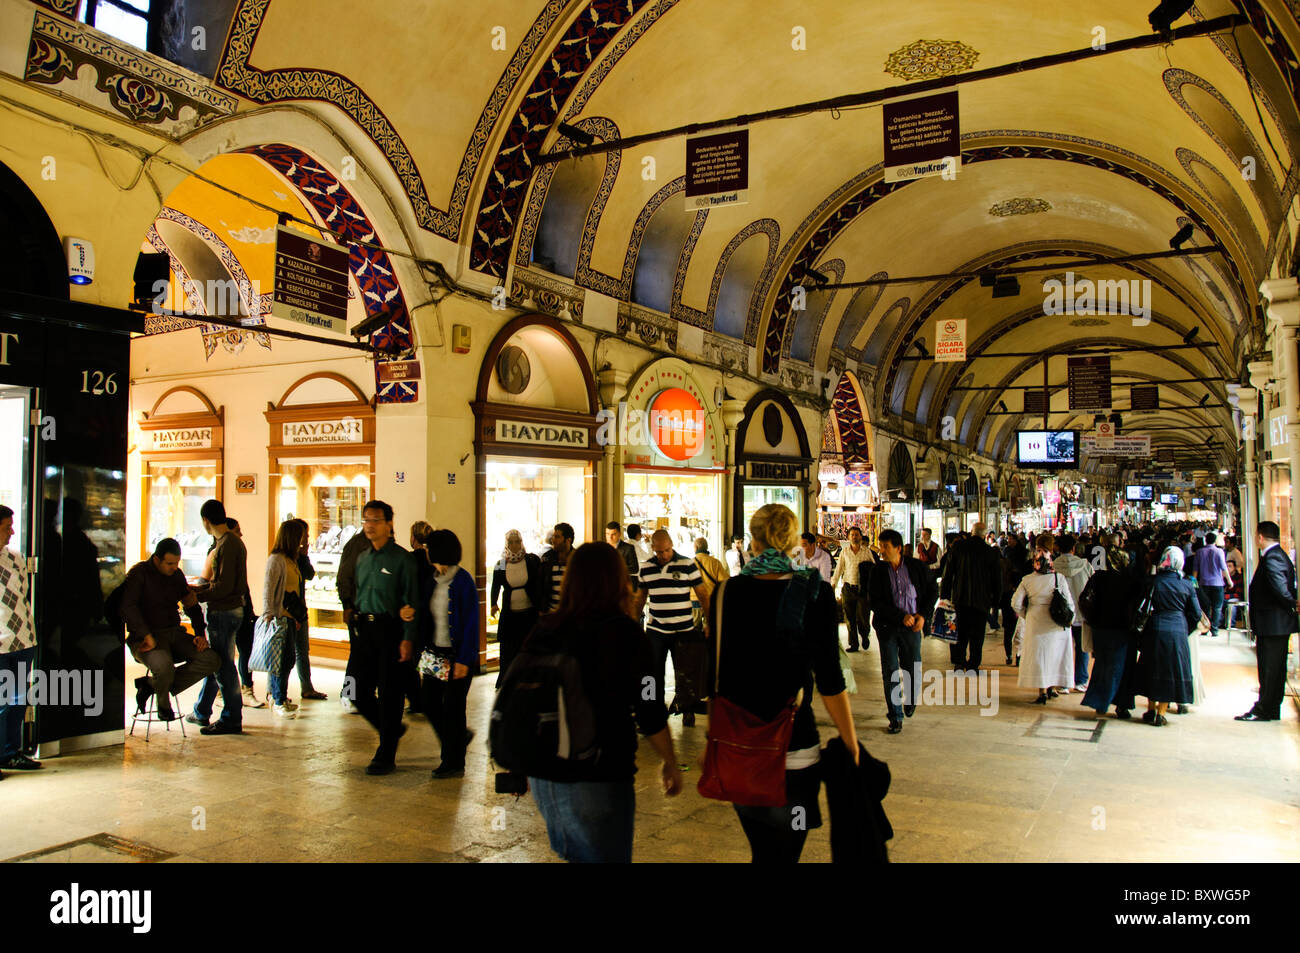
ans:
(1272, 619)
(903, 594)
(972, 580)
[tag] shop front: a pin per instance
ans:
(1278, 498)
(773, 463)
(181, 455)
(970, 496)
(64, 384)
(900, 502)
(675, 457)
(536, 446)
(321, 463)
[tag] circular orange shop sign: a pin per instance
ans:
(676, 424)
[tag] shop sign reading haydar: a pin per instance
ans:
(180, 438)
(343, 430)
(515, 431)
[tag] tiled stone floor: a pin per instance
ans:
(1025, 784)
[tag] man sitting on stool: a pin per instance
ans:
(154, 634)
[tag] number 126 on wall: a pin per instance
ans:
(98, 383)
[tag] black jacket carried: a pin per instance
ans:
(854, 792)
(1273, 594)
(973, 574)
(629, 554)
(885, 615)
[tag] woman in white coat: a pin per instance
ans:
(1047, 657)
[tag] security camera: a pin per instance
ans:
(369, 326)
(81, 260)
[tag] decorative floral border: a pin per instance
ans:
(505, 189)
(137, 84)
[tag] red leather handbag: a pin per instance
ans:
(745, 759)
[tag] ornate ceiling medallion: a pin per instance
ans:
(1020, 206)
(927, 59)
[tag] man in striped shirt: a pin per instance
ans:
(553, 563)
(667, 581)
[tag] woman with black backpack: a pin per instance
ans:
(589, 799)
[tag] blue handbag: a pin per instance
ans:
(269, 636)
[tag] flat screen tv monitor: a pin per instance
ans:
(1138, 494)
(1169, 499)
(1047, 448)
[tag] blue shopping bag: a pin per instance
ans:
(269, 636)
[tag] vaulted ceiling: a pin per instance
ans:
(1103, 157)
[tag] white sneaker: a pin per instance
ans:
(251, 700)
(347, 706)
(290, 706)
(1080, 688)
(284, 711)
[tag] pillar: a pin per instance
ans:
(612, 385)
(733, 412)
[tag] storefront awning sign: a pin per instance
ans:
(677, 424)
(550, 435)
(950, 340)
(316, 432)
(185, 438)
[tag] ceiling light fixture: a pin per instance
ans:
(1190, 336)
(1184, 234)
(920, 346)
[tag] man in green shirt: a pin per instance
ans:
(385, 644)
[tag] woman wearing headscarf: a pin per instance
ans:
(1165, 665)
(1047, 658)
(519, 574)
(1107, 603)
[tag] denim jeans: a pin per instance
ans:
(1080, 657)
(588, 822)
(223, 626)
(277, 683)
(900, 660)
(13, 709)
(244, 642)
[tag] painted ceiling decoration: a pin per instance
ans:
(930, 59)
(1020, 206)
(849, 410)
(515, 161)
(108, 74)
